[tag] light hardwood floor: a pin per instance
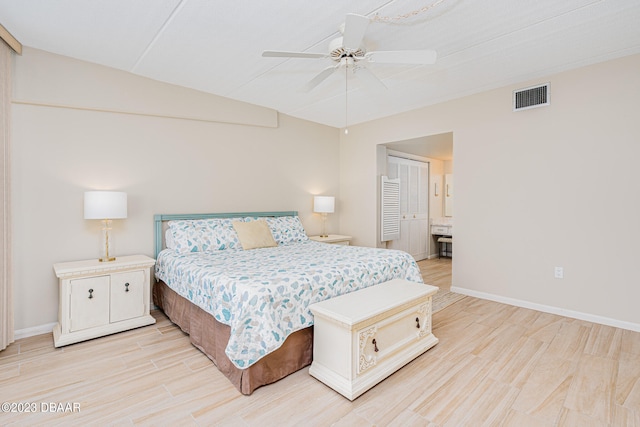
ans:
(436, 272)
(495, 365)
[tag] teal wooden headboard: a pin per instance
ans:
(160, 218)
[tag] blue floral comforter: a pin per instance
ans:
(264, 294)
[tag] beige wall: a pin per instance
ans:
(448, 166)
(546, 187)
(436, 203)
(80, 126)
(554, 186)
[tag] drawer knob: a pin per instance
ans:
(375, 345)
(126, 285)
(90, 293)
(418, 322)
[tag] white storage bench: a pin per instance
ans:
(362, 337)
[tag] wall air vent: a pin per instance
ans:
(531, 97)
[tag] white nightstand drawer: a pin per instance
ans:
(127, 295)
(89, 302)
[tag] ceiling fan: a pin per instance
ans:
(348, 51)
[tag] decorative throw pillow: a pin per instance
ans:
(287, 229)
(254, 234)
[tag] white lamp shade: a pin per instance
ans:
(324, 204)
(105, 205)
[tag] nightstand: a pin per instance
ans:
(336, 239)
(102, 298)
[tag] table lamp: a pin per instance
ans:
(324, 205)
(105, 206)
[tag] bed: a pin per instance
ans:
(240, 285)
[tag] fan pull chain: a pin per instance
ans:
(389, 19)
(346, 97)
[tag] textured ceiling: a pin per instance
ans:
(216, 46)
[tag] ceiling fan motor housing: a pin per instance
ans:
(337, 51)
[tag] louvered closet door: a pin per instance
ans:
(390, 212)
(414, 205)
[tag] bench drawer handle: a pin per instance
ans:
(417, 322)
(375, 345)
(90, 293)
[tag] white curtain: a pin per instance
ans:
(6, 283)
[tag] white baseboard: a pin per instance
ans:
(550, 309)
(35, 330)
(48, 328)
(43, 329)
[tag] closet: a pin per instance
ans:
(414, 205)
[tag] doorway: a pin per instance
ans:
(437, 151)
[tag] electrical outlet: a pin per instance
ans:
(558, 273)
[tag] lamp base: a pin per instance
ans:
(323, 232)
(106, 240)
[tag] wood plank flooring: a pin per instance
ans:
(495, 365)
(436, 272)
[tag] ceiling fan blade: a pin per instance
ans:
(320, 77)
(417, 57)
(369, 78)
(354, 28)
(284, 54)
